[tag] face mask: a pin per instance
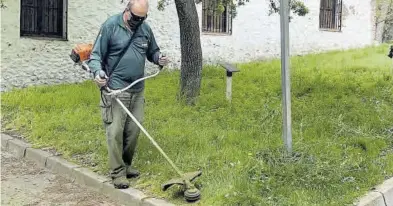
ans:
(135, 21)
(134, 24)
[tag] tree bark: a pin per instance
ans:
(387, 26)
(191, 50)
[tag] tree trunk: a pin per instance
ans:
(191, 51)
(387, 23)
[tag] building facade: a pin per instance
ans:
(37, 35)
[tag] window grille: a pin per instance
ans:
(330, 16)
(213, 21)
(45, 18)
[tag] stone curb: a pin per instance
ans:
(76, 173)
(61, 166)
(38, 156)
(386, 189)
(4, 141)
(371, 199)
(382, 195)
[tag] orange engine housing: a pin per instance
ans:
(81, 52)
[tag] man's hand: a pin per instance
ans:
(100, 82)
(163, 60)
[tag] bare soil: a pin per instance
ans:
(25, 183)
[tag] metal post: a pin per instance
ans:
(229, 86)
(285, 75)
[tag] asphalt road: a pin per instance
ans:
(25, 183)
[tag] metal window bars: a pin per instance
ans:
(213, 21)
(41, 18)
(330, 16)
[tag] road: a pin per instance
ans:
(25, 183)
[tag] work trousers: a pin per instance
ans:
(121, 131)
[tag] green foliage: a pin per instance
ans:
(2, 4)
(342, 130)
(380, 14)
(297, 6)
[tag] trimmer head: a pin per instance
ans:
(191, 193)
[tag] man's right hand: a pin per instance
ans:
(100, 82)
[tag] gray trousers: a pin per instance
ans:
(121, 132)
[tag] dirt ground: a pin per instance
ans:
(25, 183)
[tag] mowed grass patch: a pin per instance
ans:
(342, 118)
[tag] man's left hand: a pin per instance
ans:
(163, 60)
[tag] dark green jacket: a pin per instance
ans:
(111, 40)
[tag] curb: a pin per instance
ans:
(381, 195)
(81, 175)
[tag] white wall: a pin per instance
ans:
(258, 35)
(26, 61)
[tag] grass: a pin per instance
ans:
(342, 119)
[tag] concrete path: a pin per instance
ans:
(25, 183)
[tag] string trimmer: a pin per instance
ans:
(191, 193)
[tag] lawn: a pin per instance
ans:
(342, 118)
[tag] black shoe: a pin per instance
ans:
(121, 183)
(132, 173)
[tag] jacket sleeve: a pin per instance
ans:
(100, 49)
(153, 51)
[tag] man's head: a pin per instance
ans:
(136, 12)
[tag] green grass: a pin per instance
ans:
(342, 117)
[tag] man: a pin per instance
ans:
(121, 132)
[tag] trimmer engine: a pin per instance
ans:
(80, 53)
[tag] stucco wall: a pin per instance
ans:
(27, 61)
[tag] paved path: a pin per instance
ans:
(25, 183)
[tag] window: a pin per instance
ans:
(213, 21)
(44, 18)
(330, 15)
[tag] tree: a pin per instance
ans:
(191, 50)
(384, 19)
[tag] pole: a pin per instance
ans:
(229, 86)
(285, 75)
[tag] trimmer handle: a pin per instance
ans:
(102, 74)
(162, 55)
(85, 67)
